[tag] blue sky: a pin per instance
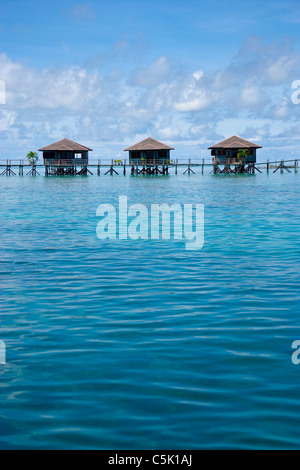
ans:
(189, 73)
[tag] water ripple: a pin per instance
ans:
(121, 345)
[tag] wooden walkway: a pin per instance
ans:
(11, 168)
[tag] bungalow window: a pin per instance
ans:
(135, 154)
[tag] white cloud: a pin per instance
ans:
(153, 75)
(193, 96)
(71, 88)
(281, 69)
(282, 110)
(198, 75)
(195, 104)
(252, 97)
(170, 132)
(7, 120)
(163, 99)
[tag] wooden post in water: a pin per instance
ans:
(282, 167)
(296, 166)
(99, 168)
(111, 171)
(176, 168)
(8, 171)
(124, 172)
(202, 166)
(268, 166)
(33, 171)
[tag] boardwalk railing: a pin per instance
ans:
(74, 162)
(82, 166)
(108, 162)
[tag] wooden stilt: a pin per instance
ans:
(8, 171)
(282, 167)
(189, 169)
(216, 169)
(33, 171)
(111, 171)
(255, 168)
(226, 169)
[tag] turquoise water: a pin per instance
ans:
(142, 344)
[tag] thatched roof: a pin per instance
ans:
(149, 144)
(235, 142)
(65, 145)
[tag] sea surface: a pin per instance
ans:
(123, 344)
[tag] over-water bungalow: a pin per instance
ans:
(149, 151)
(226, 152)
(65, 152)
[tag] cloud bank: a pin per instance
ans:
(99, 105)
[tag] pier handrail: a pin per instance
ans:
(107, 163)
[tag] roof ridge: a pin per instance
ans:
(73, 142)
(67, 144)
(149, 141)
(235, 139)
